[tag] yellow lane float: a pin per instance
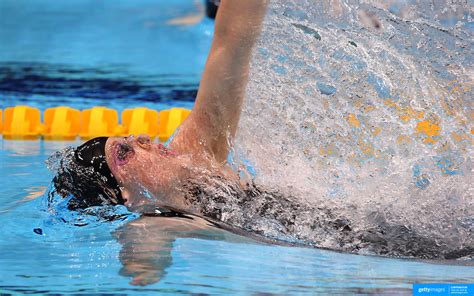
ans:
(169, 121)
(98, 122)
(61, 123)
(22, 122)
(139, 121)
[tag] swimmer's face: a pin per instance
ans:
(142, 169)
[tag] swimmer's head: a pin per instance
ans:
(109, 171)
(84, 176)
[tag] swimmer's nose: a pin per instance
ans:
(144, 141)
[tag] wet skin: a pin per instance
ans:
(140, 165)
(150, 173)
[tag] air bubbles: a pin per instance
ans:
(53, 162)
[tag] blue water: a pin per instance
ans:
(100, 53)
(123, 54)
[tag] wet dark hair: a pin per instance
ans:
(84, 177)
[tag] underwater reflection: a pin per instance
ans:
(147, 243)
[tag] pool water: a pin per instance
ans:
(124, 54)
(73, 259)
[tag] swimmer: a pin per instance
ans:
(142, 175)
(123, 170)
(191, 175)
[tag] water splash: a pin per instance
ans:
(285, 218)
(81, 186)
(367, 105)
(57, 208)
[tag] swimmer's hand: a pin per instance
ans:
(145, 278)
(212, 124)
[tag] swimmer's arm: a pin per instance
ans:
(146, 251)
(213, 121)
(148, 241)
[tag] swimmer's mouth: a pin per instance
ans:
(123, 153)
